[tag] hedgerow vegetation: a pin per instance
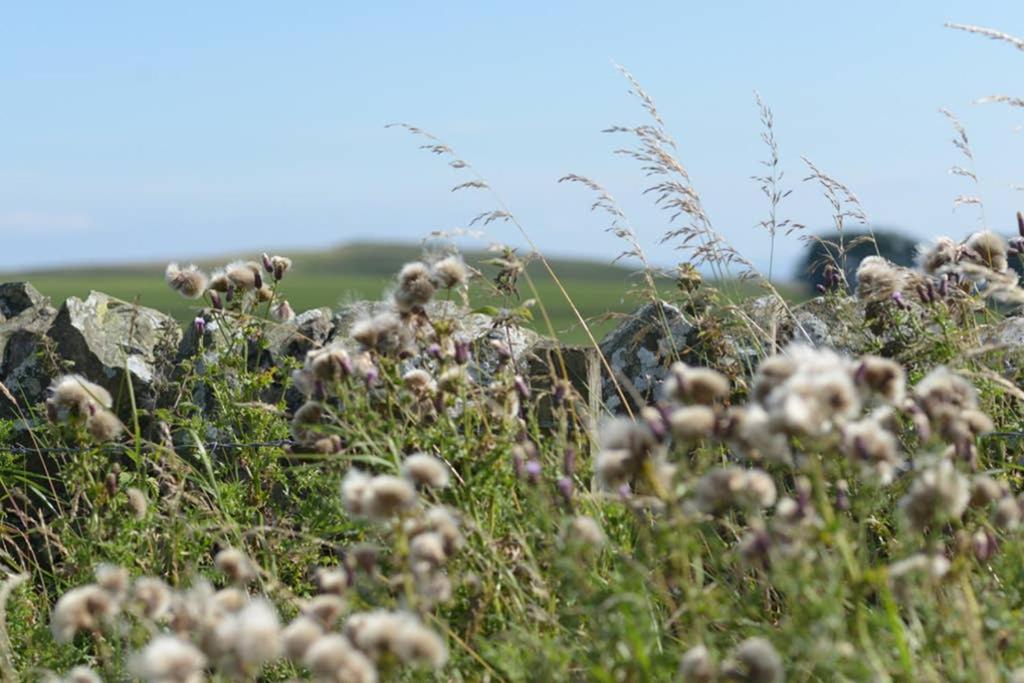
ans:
(413, 505)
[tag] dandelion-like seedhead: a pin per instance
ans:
(189, 281)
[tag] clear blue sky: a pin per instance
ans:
(132, 130)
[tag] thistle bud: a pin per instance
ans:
(267, 264)
(565, 488)
(461, 351)
(199, 325)
(533, 470)
(216, 300)
(842, 495)
(569, 461)
(522, 388)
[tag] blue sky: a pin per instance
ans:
(132, 130)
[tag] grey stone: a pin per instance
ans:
(18, 297)
(110, 341)
(640, 351)
(22, 336)
(294, 339)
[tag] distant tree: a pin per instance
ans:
(891, 244)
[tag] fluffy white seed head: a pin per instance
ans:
(85, 608)
(235, 565)
(425, 471)
(168, 659)
(188, 281)
(449, 272)
(332, 658)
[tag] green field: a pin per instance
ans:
(365, 271)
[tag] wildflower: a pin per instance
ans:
(282, 312)
(81, 674)
(332, 658)
(771, 373)
(277, 266)
(137, 503)
(235, 565)
(355, 489)
(415, 287)
(749, 432)
(168, 659)
(725, 487)
(935, 566)
(377, 498)
(428, 548)
(984, 545)
(230, 600)
(987, 249)
(189, 281)
(941, 392)
(256, 634)
(692, 423)
(697, 666)
(452, 378)
(244, 275)
(882, 377)
(102, 424)
(878, 279)
(625, 445)
(869, 444)
(154, 596)
(425, 471)
(809, 405)
(399, 633)
(440, 520)
(382, 333)
(950, 403)
(986, 490)
(695, 385)
(330, 364)
(113, 579)
(81, 609)
(450, 272)
(419, 382)
(943, 253)
(325, 609)
(1007, 514)
(755, 661)
(72, 395)
(388, 496)
(333, 580)
(586, 532)
(938, 494)
(298, 636)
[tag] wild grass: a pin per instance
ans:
(408, 503)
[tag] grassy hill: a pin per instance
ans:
(352, 272)
(365, 271)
